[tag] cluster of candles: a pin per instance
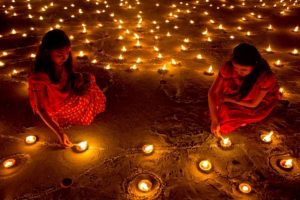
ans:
(146, 185)
(32, 139)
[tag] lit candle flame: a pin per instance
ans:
(296, 29)
(9, 163)
(82, 146)
(148, 148)
(30, 139)
(269, 49)
(205, 165)
(268, 137)
(295, 51)
(288, 163)
(145, 185)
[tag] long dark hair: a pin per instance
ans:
(52, 40)
(248, 55)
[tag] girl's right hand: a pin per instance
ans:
(64, 140)
(215, 128)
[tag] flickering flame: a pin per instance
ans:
(138, 60)
(288, 163)
(159, 56)
(81, 54)
(9, 163)
(205, 32)
(14, 71)
(210, 70)
(220, 26)
(164, 68)
(174, 62)
(245, 188)
(148, 148)
(278, 62)
(281, 90)
(205, 165)
(295, 51)
(13, 31)
(133, 67)
(82, 146)
(268, 137)
(183, 48)
(186, 40)
(107, 67)
(2, 64)
(145, 185)
(296, 29)
(199, 56)
(94, 61)
(31, 139)
(124, 49)
(225, 142)
(269, 49)
(138, 44)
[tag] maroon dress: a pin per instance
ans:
(62, 104)
(232, 116)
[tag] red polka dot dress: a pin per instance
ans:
(65, 106)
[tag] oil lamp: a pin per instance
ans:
(199, 56)
(245, 188)
(278, 63)
(148, 148)
(31, 139)
(82, 146)
(205, 165)
(183, 48)
(225, 142)
(281, 90)
(269, 49)
(209, 71)
(296, 29)
(124, 49)
(9, 163)
(138, 60)
(145, 185)
(295, 52)
(133, 67)
(286, 163)
(267, 138)
(81, 54)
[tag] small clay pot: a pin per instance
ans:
(66, 183)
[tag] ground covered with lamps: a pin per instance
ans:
(155, 61)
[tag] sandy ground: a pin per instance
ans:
(146, 107)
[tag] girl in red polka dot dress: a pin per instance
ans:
(60, 96)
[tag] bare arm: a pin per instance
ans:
(214, 101)
(214, 97)
(39, 98)
(250, 103)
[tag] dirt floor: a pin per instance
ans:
(168, 110)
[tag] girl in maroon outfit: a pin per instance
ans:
(245, 91)
(60, 96)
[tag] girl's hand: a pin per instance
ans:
(215, 128)
(64, 140)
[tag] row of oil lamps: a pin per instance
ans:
(145, 185)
